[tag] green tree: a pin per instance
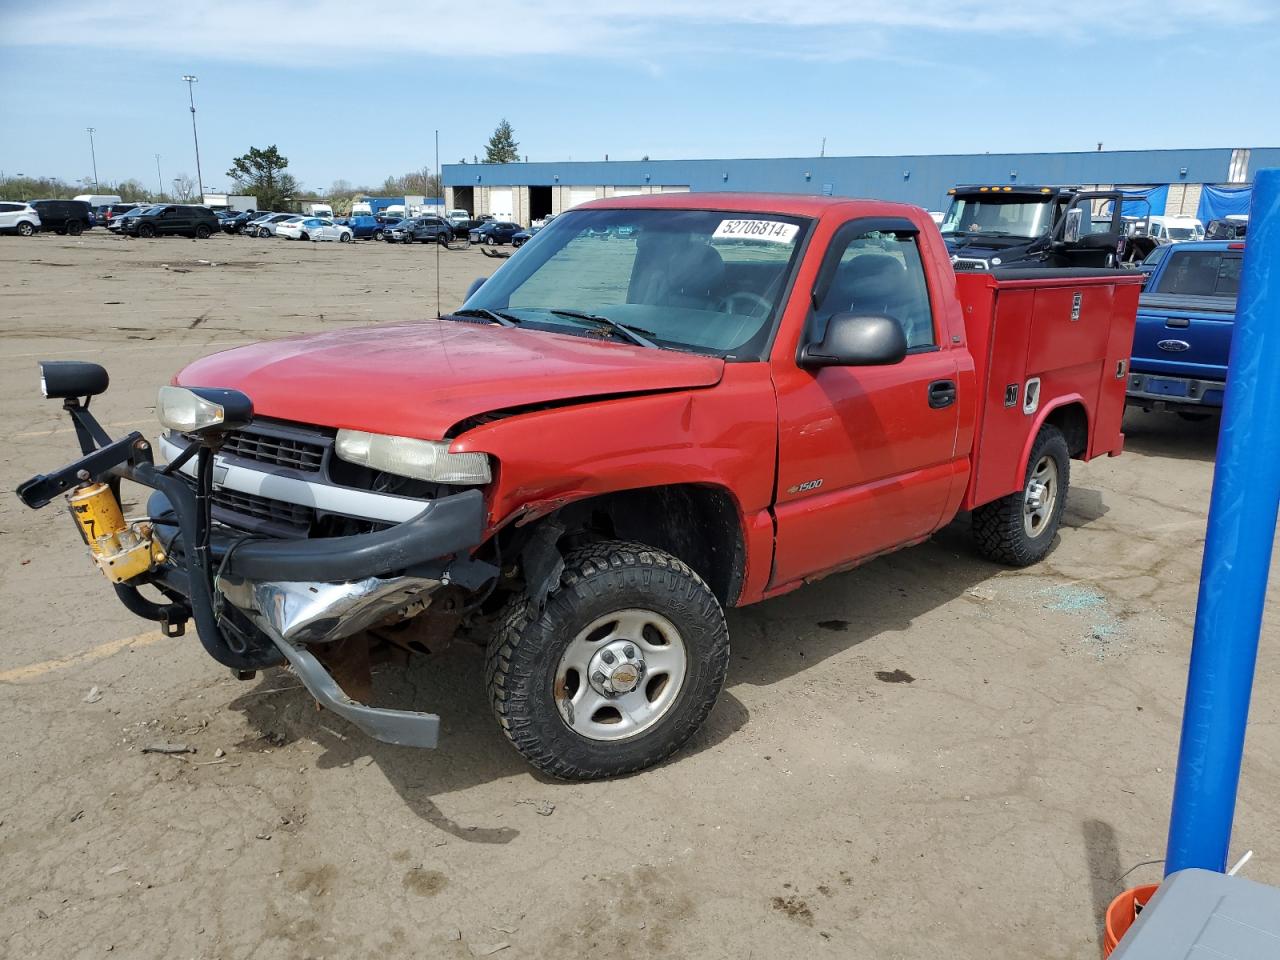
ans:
(502, 146)
(263, 174)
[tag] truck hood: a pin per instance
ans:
(419, 379)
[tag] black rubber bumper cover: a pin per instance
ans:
(445, 526)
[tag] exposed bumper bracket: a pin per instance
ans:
(405, 728)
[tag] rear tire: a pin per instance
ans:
(608, 592)
(377, 235)
(75, 228)
(491, 241)
(146, 231)
(1018, 530)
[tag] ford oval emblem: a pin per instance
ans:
(1174, 346)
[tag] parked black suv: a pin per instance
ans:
(172, 219)
(64, 216)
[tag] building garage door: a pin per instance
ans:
(500, 203)
(579, 195)
(627, 191)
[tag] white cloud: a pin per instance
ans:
(265, 30)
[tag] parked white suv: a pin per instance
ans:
(18, 218)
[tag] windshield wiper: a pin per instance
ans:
(628, 332)
(496, 316)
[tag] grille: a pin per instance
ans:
(969, 263)
(278, 451)
(291, 515)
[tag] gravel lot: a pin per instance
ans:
(926, 757)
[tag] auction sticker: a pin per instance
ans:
(773, 231)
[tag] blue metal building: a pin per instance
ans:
(528, 191)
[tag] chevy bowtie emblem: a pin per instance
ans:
(1174, 346)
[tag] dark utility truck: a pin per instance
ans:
(1022, 226)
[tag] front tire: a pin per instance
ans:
(75, 228)
(146, 231)
(1018, 530)
(491, 241)
(626, 608)
(25, 229)
(202, 232)
(303, 236)
(344, 238)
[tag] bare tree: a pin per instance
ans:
(183, 187)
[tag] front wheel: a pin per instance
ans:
(202, 232)
(491, 241)
(1019, 529)
(619, 668)
(303, 236)
(25, 229)
(75, 228)
(146, 231)
(344, 238)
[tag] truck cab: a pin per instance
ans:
(1033, 226)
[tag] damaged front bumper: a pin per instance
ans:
(258, 602)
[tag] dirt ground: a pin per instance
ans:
(928, 757)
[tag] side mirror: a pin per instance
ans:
(1071, 229)
(476, 284)
(856, 341)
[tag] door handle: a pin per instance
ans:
(942, 393)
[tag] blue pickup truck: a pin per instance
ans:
(1183, 336)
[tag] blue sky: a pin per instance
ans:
(355, 91)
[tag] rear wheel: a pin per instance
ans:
(377, 235)
(491, 241)
(25, 229)
(202, 231)
(1019, 529)
(75, 228)
(616, 671)
(146, 231)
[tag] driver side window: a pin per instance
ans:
(881, 274)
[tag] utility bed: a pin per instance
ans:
(1045, 341)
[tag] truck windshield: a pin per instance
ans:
(698, 280)
(1202, 273)
(1009, 216)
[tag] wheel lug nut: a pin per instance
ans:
(598, 677)
(628, 652)
(607, 657)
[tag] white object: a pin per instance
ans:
(96, 200)
(313, 228)
(320, 210)
(768, 231)
(1176, 229)
(13, 215)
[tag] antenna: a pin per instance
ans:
(440, 213)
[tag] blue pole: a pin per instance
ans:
(1237, 556)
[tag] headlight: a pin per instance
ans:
(201, 408)
(406, 457)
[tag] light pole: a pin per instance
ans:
(159, 179)
(194, 136)
(94, 156)
(177, 189)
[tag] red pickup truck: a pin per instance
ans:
(658, 408)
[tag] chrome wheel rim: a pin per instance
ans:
(620, 675)
(1041, 497)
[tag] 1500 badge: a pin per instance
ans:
(805, 487)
